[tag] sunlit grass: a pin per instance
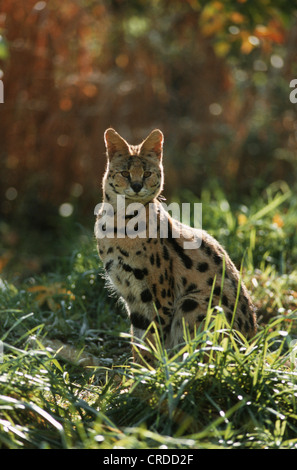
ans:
(218, 390)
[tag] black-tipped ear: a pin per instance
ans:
(154, 143)
(114, 142)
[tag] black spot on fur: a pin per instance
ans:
(217, 290)
(191, 287)
(158, 261)
(225, 300)
(146, 296)
(165, 253)
(158, 304)
(166, 311)
(205, 248)
(123, 252)
(200, 317)
(188, 305)
(187, 261)
(139, 321)
(217, 259)
(109, 264)
(127, 268)
(202, 267)
(140, 273)
(229, 316)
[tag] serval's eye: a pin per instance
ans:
(146, 174)
(125, 174)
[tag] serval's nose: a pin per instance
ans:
(136, 187)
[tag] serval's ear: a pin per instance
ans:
(154, 143)
(114, 143)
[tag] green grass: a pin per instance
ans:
(67, 380)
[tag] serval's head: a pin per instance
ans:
(133, 171)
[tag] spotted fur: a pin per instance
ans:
(157, 278)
